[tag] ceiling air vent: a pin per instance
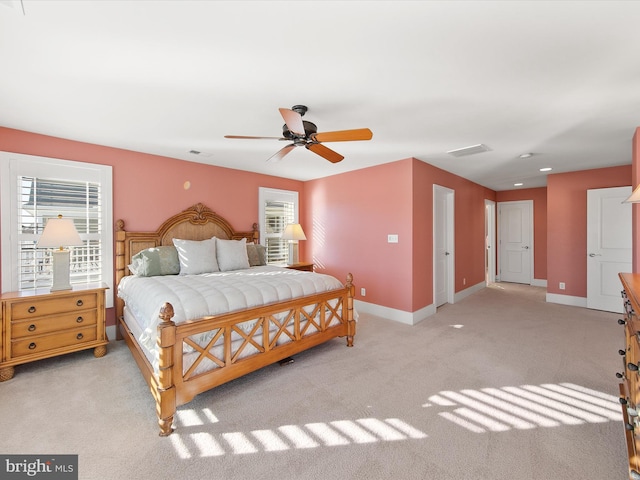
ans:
(472, 150)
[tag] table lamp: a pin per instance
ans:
(293, 232)
(58, 234)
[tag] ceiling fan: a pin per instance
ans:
(303, 133)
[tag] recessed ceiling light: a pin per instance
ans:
(518, 184)
(525, 155)
(546, 169)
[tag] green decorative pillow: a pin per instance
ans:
(156, 261)
(256, 254)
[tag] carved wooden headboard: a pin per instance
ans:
(195, 223)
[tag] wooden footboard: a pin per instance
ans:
(221, 348)
(280, 331)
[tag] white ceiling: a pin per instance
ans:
(558, 79)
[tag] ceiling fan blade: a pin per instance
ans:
(344, 135)
(325, 152)
(279, 155)
(293, 121)
(245, 137)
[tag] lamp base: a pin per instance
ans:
(61, 275)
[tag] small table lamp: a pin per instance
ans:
(293, 232)
(59, 233)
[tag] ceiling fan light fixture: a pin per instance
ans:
(525, 155)
(470, 150)
(546, 169)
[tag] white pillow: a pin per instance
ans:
(232, 254)
(196, 256)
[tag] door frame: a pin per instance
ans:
(450, 228)
(529, 203)
(490, 241)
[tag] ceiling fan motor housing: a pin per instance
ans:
(309, 129)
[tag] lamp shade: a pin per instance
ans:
(59, 232)
(634, 197)
(293, 231)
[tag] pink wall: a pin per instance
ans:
(539, 197)
(149, 188)
(357, 210)
(567, 224)
(348, 218)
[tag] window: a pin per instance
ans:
(35, 189)
(278, 208)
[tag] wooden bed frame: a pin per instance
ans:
(171, 386)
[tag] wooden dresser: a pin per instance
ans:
(43, 324)
(630, 378)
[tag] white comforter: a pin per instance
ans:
(195, 296)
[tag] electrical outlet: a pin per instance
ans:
(363, 292)
(392, 238)
(561, 286)
(464, 281)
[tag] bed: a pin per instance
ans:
(192, 343)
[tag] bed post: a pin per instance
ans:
(120, 266)
(166, 395)
(351, 323)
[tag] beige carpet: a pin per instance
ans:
(499, 386)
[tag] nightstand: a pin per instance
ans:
(304, 266)
(41, 324)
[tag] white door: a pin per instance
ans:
(608, 246)
(515, 232)
(490, 241)
(443, 287)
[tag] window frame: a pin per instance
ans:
(14, 165)
(266, 194)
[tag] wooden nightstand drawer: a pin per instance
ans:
(38, 307)
(39, 326)
(42, 343)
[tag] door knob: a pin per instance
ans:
(446, 253)
(526, 247)
(595, 255)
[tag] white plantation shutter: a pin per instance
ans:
(278, 208)
(41, 199)
(35, 189)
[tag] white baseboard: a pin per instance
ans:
(539, 282)
(408, 318)
(468, 291)
(567, 300)
(411, 318)
(111, 332)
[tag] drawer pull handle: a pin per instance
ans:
(32, 328)
(621, 321)
(32, 346)
(79, 320)
(79, 336)
(633, 475)
(32, 309)
(623, 401)
(622, 352)
(619, 375)
(632, 367)
(79, 303)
